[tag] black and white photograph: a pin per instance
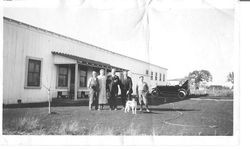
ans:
(120, 68)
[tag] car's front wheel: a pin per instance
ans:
(155, 92)
(182, 94)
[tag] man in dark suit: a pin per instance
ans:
(112, 89)
(126, 88)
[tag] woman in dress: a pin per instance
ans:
(102, 98)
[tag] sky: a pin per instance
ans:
(180, 35)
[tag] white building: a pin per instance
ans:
(34, 58)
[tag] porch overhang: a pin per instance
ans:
(63, 58)
(118, 69)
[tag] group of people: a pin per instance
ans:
(104, 90)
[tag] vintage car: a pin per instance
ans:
(180, 91)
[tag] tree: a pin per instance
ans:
(230, 77)
(200, 76)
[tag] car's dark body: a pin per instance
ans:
(180, 91)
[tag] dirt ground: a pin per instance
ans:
(190, 117)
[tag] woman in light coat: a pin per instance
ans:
(102, 97)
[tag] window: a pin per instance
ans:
(34, 73)
(63, 76)
(163, 77)
(152, 75)
(160, 77)
(146, 72)
(83, 78)
(156, 76)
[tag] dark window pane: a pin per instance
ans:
(83, 82)
(34, 70)
(31, 66)
(30, 77)
(37, 68)
(62, 81)
(63, 77)
(83, 73)
(63, 70)
(36, 79)
(83, 78)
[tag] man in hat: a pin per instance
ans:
(126, 88)
(112, 88)
(93, 86)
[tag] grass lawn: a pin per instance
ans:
(188, 117)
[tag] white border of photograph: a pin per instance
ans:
(137, 140)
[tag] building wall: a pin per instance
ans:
(18, 43)
(21, 41)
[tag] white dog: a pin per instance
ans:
(131, 104)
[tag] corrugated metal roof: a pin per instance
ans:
(72, 39)
(88, 62)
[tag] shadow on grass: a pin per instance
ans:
(197, 95)
(69, 103)
(151, 112)
(170, 109)
(63, 103)
(207, 96)
(155, 101)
